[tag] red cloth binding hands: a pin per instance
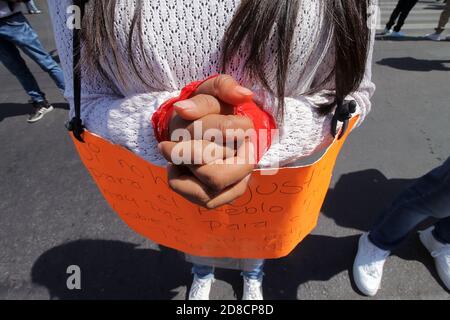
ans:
(263, 122)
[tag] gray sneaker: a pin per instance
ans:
(40, 109)
(433, 36)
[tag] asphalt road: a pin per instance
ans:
(52, 216)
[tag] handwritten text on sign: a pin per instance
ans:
(275, 214)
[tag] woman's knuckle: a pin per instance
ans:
(241, 190)
(173, 185)
(227, 123)
(203, 99)
(216, 85)
(215, 181)
(200, 197)
(221, 81)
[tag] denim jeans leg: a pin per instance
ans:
(23, 36)
(10, 57)
(394, 226)
(202, 271)
(257, 273)
(427, 197)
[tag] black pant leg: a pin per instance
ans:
(409, 5)
(398, 9)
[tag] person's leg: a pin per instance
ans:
(443, 20)
(409, 5)
(436, 240)
(23, 35)
(253, 281)
(32, 7)
(427, 197)
(442, 230)
(257, 272)
(203, 279)
(395, 14)
(10, 57)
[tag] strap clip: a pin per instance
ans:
(76, 126)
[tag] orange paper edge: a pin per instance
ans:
(269, 221)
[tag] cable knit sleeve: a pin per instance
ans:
(123, 120)
(306, 132)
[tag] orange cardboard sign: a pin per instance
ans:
(269, 221)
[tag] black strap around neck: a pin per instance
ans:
(76, 124)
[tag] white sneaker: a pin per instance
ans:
(397, 34)
(368, 266)
(200, 288)
(252, 289)
(440, 252)
(433, 36)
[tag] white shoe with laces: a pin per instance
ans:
(252, 289)
(40, 109)
(368, 266)
(200, 288)
(440, 252)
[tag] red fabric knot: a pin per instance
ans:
(263, 122)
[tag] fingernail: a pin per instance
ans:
(185, 104)
(244, 91)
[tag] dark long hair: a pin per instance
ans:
(253, 23)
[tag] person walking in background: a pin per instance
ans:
(398, 18)
(32, 7)
(16, 32)
(427, 197)
(445, 16)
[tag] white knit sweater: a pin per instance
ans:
(182, 42)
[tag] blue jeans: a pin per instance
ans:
(205, 272)
(16, 32)
(427, 197)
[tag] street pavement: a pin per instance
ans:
(52, 215)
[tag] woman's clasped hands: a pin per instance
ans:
(211, 152)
